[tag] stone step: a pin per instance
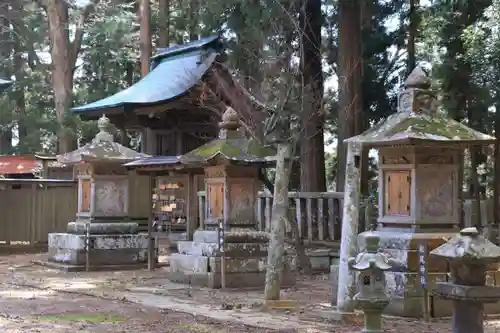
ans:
(233, 250)
(211, 236)
(189, 264)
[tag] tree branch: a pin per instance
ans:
(79, 31)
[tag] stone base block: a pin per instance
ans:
(69, 249)
(205, 271)
(103, 228)
(233, 280)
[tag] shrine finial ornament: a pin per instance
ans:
(230, 122)
(417, 96)
(104, 125)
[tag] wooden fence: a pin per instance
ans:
(33, 208)
(318, 215)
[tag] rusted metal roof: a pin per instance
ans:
(17, 165)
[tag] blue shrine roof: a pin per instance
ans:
(4, 84)
(174, 71)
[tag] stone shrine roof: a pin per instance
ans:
(468, 245)
(231, 145)
(102, 149)
(418, 121)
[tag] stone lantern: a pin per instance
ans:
(102, 207)
(231, 163)
(420, 153)
(371, 286)
(469, 256)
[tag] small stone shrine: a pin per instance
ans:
(469, 255)
(420, 152)
(231, 163)
(102, 207)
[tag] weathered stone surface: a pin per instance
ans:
(98, 257)
(190, 264)
(233, 250)
(102, 228)
(212, 280)
(320, 259)
(100, 242)
(239, 265)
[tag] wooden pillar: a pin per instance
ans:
(191, 218)
(151, 241)
(148, 145)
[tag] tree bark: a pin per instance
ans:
(194, 10)
(496, 175)
(412, 35)
(279, 217)
(20, 74)
(312, 151)
(5, 51)
(350, 69)
(349, 230)
(64, 54)
(145, 46)
(164, 24)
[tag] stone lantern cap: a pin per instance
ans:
(102, 149)
(418, 121)
(371, 258)
(231, 145)
(469, 245)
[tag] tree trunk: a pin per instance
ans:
(496, 176)
(349, 230)
(64, 54)
(62, 70)
(312, 148)
(194, 10)
(5, 51)
(20, 74)
(164, 24)
(145, 35)
(350, 69)
(279, 217)
(412, 35)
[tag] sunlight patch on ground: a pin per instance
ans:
(73, 284)
(26, 294)
(96, 318)
(198, 328)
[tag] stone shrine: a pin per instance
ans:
(420, 152)
(115, 241)
(231, 163)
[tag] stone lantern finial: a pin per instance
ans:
(417, 96)
(104, 125)
(418, 79)
(230, 122)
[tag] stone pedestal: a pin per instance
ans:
(198, 262)
(113, 246)
(67, 251)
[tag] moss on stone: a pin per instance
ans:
(236, 148)
(435, 125)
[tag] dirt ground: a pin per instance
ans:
(36, 299)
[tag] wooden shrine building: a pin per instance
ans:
(177, 106)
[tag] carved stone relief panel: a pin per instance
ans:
(436, 194)
(110, 197)
(242, 200)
